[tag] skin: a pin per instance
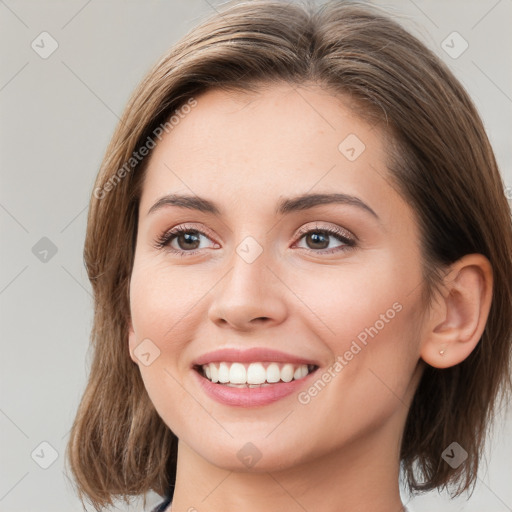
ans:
(339, 451)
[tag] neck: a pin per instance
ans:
(358, 477)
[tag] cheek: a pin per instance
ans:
(358, 300)
(159, 320)
(160, 325)
(368, 383)
(377, 360)
(368, 316)
(161, 302)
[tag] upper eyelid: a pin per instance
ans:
(306, 229)
(300, 232)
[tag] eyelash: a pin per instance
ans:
(163, 241)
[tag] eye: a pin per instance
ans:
(317, 239)
(186, 238)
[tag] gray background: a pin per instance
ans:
(57, 115)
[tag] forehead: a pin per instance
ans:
(281, 140)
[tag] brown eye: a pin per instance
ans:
(318, 240)
(187, 240)
(181, 240)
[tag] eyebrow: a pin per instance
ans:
(286, 205)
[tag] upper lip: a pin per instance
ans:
(251, 355)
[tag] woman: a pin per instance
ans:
(300, 251)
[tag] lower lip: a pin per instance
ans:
(250, 397)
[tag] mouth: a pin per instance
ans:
(252, 377)
(255, 374)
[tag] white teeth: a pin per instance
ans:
(273, 373)
(237, 374)
(253, 374)
(214, 372)
(256, 374)
(223, 373)
(287, 373)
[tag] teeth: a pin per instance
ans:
(287, 373)
(214, 373)
(273, 373)
(237, 374)
(254, 374)
(223, 373)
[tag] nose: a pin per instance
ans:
(249, 295)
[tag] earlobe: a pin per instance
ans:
(458, 317)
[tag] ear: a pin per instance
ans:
(132, 342)
(457, 319)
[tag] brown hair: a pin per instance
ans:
(442, 164)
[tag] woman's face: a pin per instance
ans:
(279, 286)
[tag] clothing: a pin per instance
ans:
(162, 506)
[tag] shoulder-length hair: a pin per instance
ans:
(442, 164)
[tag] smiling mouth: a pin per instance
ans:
(253, 375)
